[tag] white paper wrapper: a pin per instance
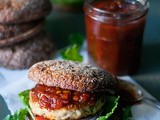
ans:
(11, 91)
(14, 82)
(146, 110)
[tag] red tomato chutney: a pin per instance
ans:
(114, 30)
(40, 118)
(54, 98)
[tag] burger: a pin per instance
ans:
(68, 90)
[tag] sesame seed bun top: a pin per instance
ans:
(72, 75)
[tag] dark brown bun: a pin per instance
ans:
(25, 54)
(11, 30)
(18, 11)
(72, 75)
(15, 33)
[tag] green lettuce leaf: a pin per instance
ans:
(18, 115)
(76, 39)
(24, 97)
(110, 107)
(127, 114)
(68, 2)
(73, 51)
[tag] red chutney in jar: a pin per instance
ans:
(114, 30)
(54, 98)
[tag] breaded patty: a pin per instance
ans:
(65, 113)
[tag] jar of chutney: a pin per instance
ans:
(114, 31)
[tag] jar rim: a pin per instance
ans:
(140, 11)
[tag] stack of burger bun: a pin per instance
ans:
(23, 40)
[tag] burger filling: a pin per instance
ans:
(54, 98)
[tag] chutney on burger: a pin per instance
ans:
(68, 90)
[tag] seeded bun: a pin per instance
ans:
(72, 75)
(11, 34)
(18, 11)
(25, 54)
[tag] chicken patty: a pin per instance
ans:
(60, 104)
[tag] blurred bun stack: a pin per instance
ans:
(23, 40)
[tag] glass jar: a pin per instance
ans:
(114, 30)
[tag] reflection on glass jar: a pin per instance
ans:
(114, 30)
